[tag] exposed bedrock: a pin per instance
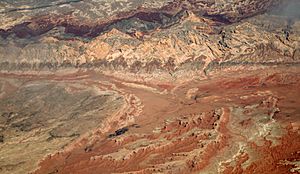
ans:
(149, 86)
(40, 118)
(229, 124)
(169, 38)
(193, 44)
(150, 19)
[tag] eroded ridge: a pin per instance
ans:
(144, 86)
(174, 38)
(220, 126)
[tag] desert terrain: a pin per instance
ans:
(168, 86)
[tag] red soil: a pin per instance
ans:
(180, 135)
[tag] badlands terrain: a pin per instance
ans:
(145, 86)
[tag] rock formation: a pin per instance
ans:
(143, 86)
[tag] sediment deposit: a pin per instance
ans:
(169, 86)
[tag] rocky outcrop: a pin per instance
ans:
(222, 125)
(147, 40)
(168, 86)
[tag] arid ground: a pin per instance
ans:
(142, 86)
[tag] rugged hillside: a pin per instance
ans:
(145, 86)
(145, 36)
